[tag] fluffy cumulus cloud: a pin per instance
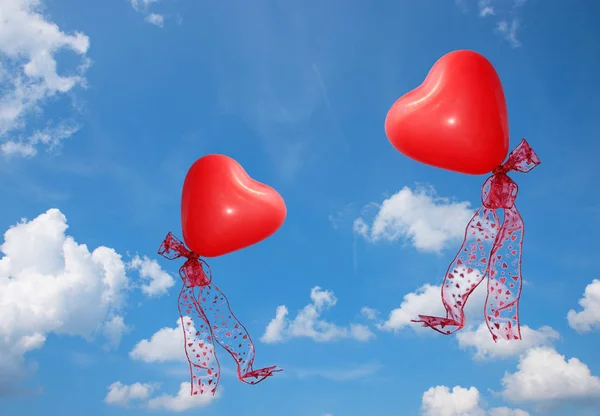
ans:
(144, 395)
(49, 283)
(164, 345)
(308, 322)
(459, 401)
(545, 377)
(124, 395)
(155, 281)
(588, 318)
(29, 44)
(419, 217)
(183, 400)
(427, 300)
(484, 346)
(441, 401)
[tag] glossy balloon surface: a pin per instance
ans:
(224, 210)
(456, 119)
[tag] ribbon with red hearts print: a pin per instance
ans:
(490, 249)
(216, 323)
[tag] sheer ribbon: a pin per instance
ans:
(215, 323)
(490, 249)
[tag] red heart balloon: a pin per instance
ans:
(224, 210)
(456, 119)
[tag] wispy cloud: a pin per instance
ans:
(508, 29)
(155, 19)
(506, 13)
(140, 5)
(29, 45)
(349, 373)
(341, 215)
(282, 92)
(51, 137)
(321, 84)
(143, 6)
(486, 8)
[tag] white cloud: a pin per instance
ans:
(307, 323)
(427, 300)
(155, 19)
(341, 216)
(140, 394)
(158, 282)
(427, 221)
(544, 376)
(29, 43)
(123, 395)
(508, 29)
(114, 329)
(441, 401)
(369, 313)
(486, 8)
(167, 344)
(486, 348)
(505, 411)
(183, 400)
(50, 137)
(506, 13)
(143, 6)
(589, 318)
(51, 284)
(275, 329)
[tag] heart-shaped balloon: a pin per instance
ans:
(456, 119)
(224, 210)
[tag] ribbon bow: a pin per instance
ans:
(491, 250)
(217, 323)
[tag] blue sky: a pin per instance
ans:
(105, 105)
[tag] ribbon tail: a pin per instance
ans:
(232, 335)
(465, 273)
(505, 281)
(199, 345)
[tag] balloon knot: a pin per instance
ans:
(500, 170)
